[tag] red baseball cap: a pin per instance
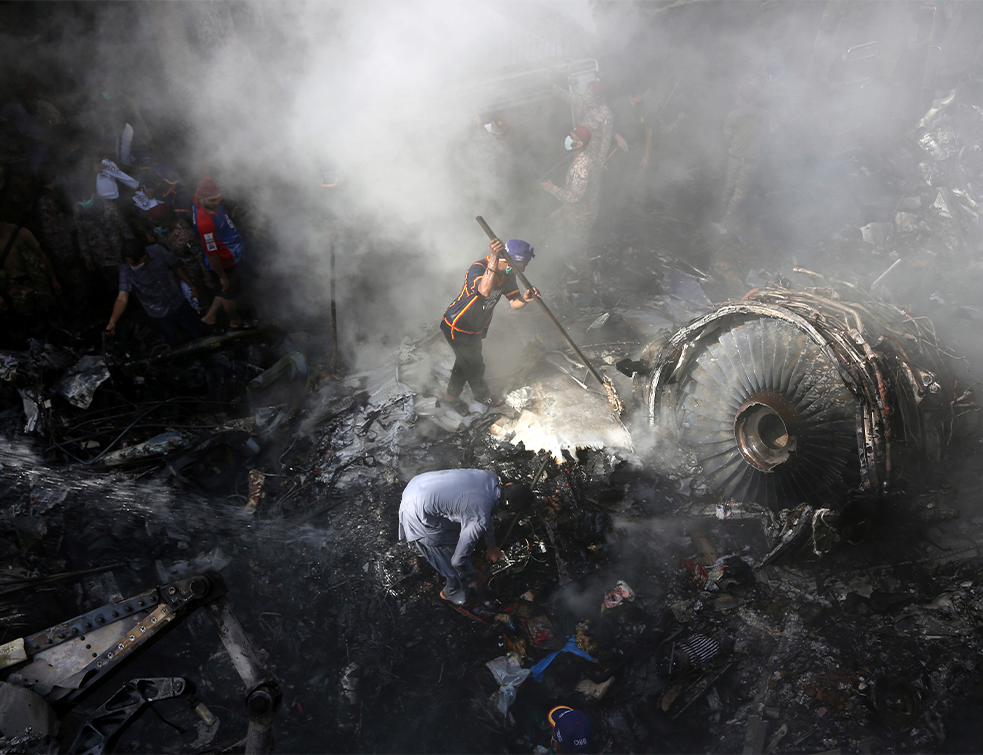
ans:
(583, 134)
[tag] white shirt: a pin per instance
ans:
(106, 180)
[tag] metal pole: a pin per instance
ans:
(884, 274)
(263, 695)
(334, 309)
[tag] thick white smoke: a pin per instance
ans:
(379, 92)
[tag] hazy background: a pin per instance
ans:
(262, 94)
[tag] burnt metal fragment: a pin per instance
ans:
(65, 663)
(103, 727)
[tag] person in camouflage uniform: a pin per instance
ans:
(102, 236)
(54, 228)
(593, 113)
(487, 165)
(570, 225)
(27, 279)
(745, 129)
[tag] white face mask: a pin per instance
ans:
(568, 142)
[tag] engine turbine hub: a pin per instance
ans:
(764, 430)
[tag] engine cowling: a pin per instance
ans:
(788, 397)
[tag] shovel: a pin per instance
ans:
(616, 404)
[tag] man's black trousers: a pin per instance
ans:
(469, 366)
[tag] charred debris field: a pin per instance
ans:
(772, 543)
(710, 614)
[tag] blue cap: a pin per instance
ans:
(520, 251)
(571, 728)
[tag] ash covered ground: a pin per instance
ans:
(862, 646)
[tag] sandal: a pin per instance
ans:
(457, 405)
(492, 401)
(210, 329)
(244, 325)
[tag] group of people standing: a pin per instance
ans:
(631, 124)
(89, 214)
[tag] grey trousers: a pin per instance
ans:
(439, 557)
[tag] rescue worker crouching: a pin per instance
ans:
(445, 513)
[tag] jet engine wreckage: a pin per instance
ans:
(804, 410)
(790, 396)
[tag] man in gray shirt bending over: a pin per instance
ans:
(445, 513)
(150, 273)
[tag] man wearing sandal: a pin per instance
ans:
(466, 320)
(447, 512)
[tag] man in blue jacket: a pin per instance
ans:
(446, 513)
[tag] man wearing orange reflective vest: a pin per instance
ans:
(466, 320)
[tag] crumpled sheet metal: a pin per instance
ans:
(441, 414)
(382, 384)
(10, 366)
(565, 417)
(905, 222)
(941, 206)
(877, 234)
(31, 409)
(938, 107)
(18, 367)
(685, 297)
(648, 323)
(78, 385)
(385, 420)
(291, 369)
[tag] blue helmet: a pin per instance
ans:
(520, 251)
